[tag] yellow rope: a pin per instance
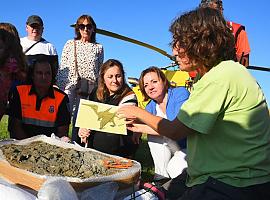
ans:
(121, 37)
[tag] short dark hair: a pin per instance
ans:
(39, 59)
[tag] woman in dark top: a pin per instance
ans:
(113, 90)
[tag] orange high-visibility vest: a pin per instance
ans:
(47, 114)
(236, 29)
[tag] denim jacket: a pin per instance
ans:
(176, 97)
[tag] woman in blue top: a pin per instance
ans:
(165, 101)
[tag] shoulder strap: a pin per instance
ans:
(75, 60)
(41, 40)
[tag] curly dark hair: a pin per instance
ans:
(204, 35)
(210, 3)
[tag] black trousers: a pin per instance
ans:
(213, 189)
(175, 187)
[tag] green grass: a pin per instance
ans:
(142, 155)
(3, 128)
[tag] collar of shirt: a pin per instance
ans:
(49, 94)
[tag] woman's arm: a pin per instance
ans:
(100, 57)
(141, 128)
(63, 71)
(172, 129)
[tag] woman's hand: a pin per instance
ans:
(65, 139)
(84, 134)
(137, 128)
(141, 128)
(128, 112)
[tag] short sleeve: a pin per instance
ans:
(204, 106)
(63, 115)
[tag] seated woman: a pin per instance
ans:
(165, 101)
(225, 119)
(112, 89)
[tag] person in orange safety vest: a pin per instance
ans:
(39, 108)
(241, 40)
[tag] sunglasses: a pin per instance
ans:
(83, 26)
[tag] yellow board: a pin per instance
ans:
(100, 117)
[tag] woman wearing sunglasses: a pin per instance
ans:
(81, 58)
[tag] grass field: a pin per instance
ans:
(142, 155)
(3, 128)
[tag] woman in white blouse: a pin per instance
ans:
(81, 57)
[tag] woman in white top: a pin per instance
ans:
(81, 57)
(165, 101)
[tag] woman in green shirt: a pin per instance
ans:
(226, 118)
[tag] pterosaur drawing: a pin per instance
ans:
(103, 116)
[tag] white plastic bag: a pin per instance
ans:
(56, 189)
(12, 192)
(106, 191)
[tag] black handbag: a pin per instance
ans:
(82, 87)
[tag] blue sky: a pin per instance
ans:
(145, 20)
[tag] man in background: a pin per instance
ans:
(241, 40)
(34, 44)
